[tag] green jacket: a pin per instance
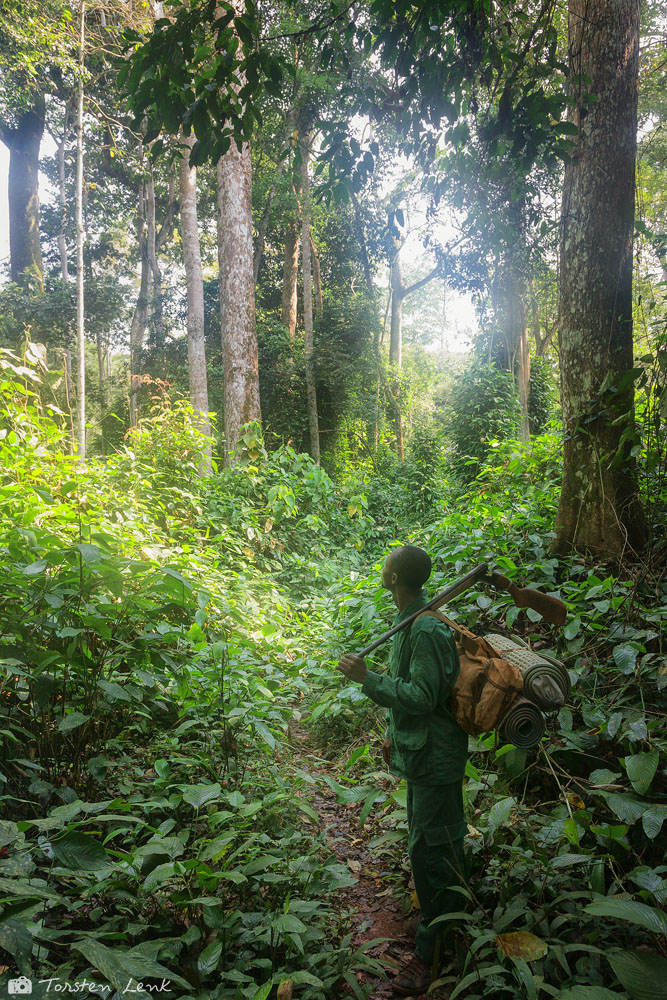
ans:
(427, 745)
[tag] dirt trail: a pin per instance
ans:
(379, 912)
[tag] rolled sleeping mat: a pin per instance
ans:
(522, 725)
(545, 681)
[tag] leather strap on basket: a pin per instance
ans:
(462, 631)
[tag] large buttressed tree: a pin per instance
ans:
(31, 53)
(599, 507)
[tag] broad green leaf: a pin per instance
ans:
(625, 657)
(263, 991)
(628, 909)
(572, 628)
(567, 860)
(26, 889)
(198, 795)
(263, 730)
(16, 939)
(653, 819)
(355, 756)
(72, 721)
(477, 977)
(9, 832)
(118, 965)
(114, 691)
(35, 568)
(589, 992)
(80, 852)
(626, 807)
(500, 812)
(217, 846)
(90, 553)
(159, 875)
(642, 973)
(209, 958)
(641, 768)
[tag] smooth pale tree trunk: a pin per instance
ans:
(237, 293)
(396, 327)
(515, 354)
(599, 509)
(62, 249)
(101, 353)
(140, 315)
(62, 201)
(318, 300)
(23, 142)
(195, 289)
(311, 391)
(290, 278)
(372, 428)
(151, 249)
(399, 292)
(80, 237)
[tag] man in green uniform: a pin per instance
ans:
(425, 746)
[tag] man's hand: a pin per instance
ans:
(386, 751)
(353, 667)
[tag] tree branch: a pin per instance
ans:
(404, 292)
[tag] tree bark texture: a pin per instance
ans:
(237, 293)
(140, 315)
(396, 328)
(318, 301)
(290, 278)
(151, 249)
(80, 238)
(62, 200)
(195, 290)
(23, 142)
(514, 355)
(311, 392)
(599, 507)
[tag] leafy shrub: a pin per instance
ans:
(484, 407)
(542, 389)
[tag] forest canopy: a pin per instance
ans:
(285, 286)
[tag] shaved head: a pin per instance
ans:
(411, 565)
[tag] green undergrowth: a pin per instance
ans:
(163, 632)
(155, 824)
(566, 843)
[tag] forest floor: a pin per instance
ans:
(378, 912)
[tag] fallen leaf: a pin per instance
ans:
(354, 866)
(576, 802)
(285, 989)
(522, 944)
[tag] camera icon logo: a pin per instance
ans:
(19, 987)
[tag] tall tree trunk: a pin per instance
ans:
(318, 301)
(62, 200)
(515, 354)
(151, 249)
(290, 278)
(195, 289)
(237, 293)
(23, 142)
(311, 392)
(103, 386)
(80, 316)
(140, 315)
(396, 328)
(599, 507)
(62, 245)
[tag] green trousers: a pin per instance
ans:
(435, 846)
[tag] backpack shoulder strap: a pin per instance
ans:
(459, 629)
